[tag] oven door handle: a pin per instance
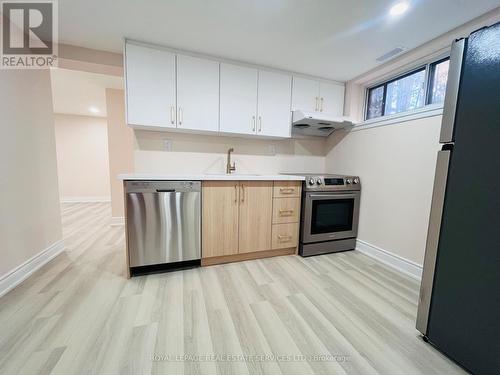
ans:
(334, 196)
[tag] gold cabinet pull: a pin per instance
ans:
(286, 212)
(283, 237)
(287, 190)
(172, 114)
(235, 193)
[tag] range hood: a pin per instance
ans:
(318, 123)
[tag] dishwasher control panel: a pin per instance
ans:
(161, 186)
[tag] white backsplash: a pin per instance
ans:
(180, 153)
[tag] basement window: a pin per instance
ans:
(412, 90)
(437, 82)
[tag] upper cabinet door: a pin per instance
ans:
(274, 100)
(197, 94)
(150, 78)
(331, 98)
(305, 94)
(238, 99)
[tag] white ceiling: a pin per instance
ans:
(337, 39)
(75, 92)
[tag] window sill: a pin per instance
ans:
(427, 111)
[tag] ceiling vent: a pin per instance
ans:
(390, 54)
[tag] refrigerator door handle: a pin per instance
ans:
(431, 248)
(452, 87)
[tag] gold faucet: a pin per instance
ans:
(230, 168)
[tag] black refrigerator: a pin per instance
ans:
(459, 305)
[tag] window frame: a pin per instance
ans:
(427, 80)
(431, 71)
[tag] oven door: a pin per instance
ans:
(330, 216)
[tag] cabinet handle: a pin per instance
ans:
(286, 212)
(235, 193)
(260, 123)
(283, 237)
(242, 193)
(317, 104)
(180, 116)
(287, 190)
(253, 119)
(172, 114)
(321, 104)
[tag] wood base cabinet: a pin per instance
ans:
(246, 220)
(256, 209)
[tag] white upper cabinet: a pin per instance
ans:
(238, 99)
(168, 90)
(197, 94)
(314, 96)
(274, 100)
(150, 79)
(331, 98)
(305, 94)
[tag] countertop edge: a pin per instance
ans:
(232, 177)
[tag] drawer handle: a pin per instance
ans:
(286, 212)
(287, 190)
(283, 237)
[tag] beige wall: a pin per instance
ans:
(30, 219)
(207, 154)
(90, 60)
(120, 146)
(396, 164)
(82, 157)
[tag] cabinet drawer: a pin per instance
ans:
(284, 189)
(286, 210)
(285, 235)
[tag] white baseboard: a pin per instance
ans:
(85, 199)
(10, 280)
(117, 221)
(395, 261)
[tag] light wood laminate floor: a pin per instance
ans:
(332, 314)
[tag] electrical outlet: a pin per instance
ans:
(167, 145)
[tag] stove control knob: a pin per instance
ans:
(311, 181)
(319, 182)
(348, 181)
(356, 180)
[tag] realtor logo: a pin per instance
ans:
(29, 34)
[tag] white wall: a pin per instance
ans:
(82, 158)
(432, 50)
(396, 164)
(30, 219)
(207, 154)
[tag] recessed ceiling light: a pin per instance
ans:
(398, 9)
(94, 109)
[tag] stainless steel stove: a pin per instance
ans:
(330, 213)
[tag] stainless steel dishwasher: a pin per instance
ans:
(163, 224)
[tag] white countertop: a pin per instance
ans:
(211, 177)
